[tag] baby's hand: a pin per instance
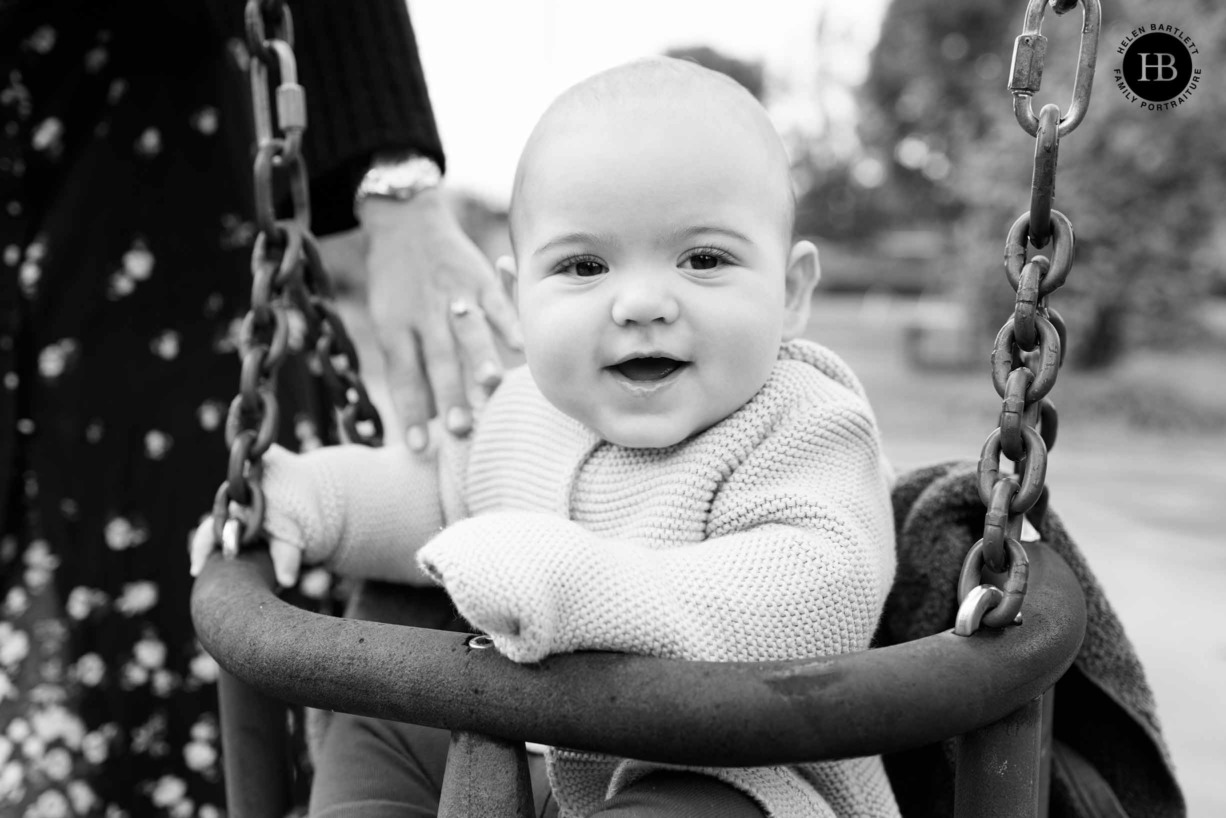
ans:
(286, 557)
(293, 523)
(504, 592)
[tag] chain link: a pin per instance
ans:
(288, 277)
(1030, 347)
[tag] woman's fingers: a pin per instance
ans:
(475, 342)
(501, 315)
(407, 383)
(445, 371)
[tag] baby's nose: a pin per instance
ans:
(640, 300)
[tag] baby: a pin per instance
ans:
(674, 473)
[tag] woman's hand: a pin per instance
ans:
(436, 305)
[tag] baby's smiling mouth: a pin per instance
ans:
(648, 368)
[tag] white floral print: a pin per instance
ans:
(150, 142)
(107, 707)
(138, 262)
(157, 444)
(166, 345)
(137, 597)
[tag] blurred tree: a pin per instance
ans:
(934, 79)
(750, 74)
(836, 206)
(925, 97)
(1142, 188)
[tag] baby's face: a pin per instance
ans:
(653, 252)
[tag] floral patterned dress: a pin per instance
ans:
(125, 248)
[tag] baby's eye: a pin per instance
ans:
(582, 267)
(705, 259)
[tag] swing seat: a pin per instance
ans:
(988, 688)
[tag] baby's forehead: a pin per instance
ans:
(653, 101)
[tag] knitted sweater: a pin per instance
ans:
(767, 537)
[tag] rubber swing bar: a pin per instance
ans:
(681, 712)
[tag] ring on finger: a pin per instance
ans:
(460, 307)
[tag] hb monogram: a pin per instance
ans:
(1162, 64)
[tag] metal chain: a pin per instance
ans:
(1030, 347)
(288, 277)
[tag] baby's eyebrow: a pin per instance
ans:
(700, 229)
(578, 237)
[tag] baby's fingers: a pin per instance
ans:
(286, 558)
(203, 543)
(286, 562)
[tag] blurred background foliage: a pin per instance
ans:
(1143, 189)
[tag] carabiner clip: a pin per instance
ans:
(1026, 71)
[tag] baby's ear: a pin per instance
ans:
(803, 273)
(505, 265)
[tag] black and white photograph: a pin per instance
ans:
(673, 409)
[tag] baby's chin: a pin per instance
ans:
(634, 435)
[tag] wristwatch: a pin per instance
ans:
(399, 180)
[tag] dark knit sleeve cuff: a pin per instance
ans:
(366, 92)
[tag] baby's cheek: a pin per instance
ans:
(745, 329)
(555, 349)
(743, 350)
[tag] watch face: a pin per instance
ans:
(406, 178)
(399, 180)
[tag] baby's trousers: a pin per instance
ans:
(367, 768)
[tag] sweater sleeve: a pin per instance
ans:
(364, 512)
(798, 560)
(366, 92)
